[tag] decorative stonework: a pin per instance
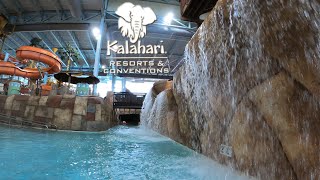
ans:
(67, 112)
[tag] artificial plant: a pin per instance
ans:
(35, 42)
(69, 53)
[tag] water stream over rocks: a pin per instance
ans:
(251, 83)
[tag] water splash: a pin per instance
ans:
(251, 81)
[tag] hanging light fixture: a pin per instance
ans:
(96, 33)
(168, 18)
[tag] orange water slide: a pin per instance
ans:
(32, 53)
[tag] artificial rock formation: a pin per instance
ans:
(251, 82)
(67, 112)
(159, 110)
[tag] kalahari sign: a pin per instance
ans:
(133, 21)
(134, 48)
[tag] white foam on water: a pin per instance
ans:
(205, 168)
(139, 134)
(196, 164)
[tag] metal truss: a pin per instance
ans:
(65, 16)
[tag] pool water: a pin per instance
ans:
(120, 153)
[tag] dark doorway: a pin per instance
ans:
(130, 119)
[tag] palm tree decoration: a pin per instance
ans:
(69, 53)
(35, 42)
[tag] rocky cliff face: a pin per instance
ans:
(250, 82)
(159, 110)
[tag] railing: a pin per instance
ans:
(126, 100)
(11, 120)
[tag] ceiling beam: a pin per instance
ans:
(37, 6)
(14, 41)
(59, 9)
(178, 65)
(168, 62)
(183, 36)
(45, 40)
(163, 2)
(23, 37)
(5, 44)
(91, 43)
(61, 15)
(92, 18)
(50, 27)
(40, 26)
(83, 27)
(75, 8)
(17, 6)
(3, 9)
(76, 43)
(182, 24)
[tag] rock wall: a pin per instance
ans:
(67, 112)
(159, 110)
(251, 82)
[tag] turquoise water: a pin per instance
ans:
(120, 153)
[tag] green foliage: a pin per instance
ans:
(36, 42)
(69, 52)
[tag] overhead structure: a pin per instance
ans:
(60, 22)
(191, 10)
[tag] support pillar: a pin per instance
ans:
(6, 57)
(113, 83)
(102, 27)
(124, 85)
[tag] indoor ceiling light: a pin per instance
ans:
(168, 19)
(96, 33)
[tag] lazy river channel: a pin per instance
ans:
(120, 153)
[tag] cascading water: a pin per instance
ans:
(251, 83)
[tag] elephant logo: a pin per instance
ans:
(133, 20)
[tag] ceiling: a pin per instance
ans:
(191, 10)
(62, 22)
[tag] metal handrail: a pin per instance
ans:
(128, 100)
(22, 121)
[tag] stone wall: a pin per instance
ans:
(159, 110)
(250, 81)
(67, 112)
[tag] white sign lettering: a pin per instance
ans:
(134, 48)
(133, 21)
